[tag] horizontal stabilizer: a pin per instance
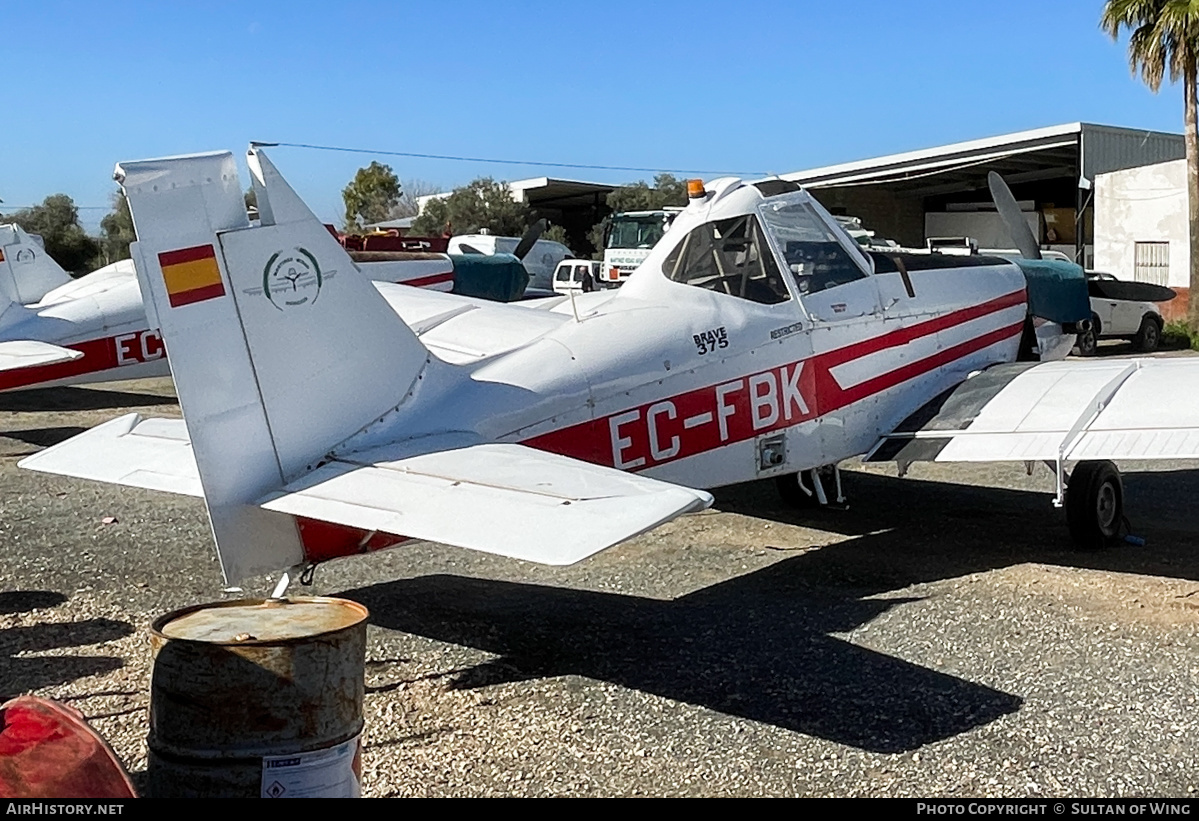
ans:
(498, 498)
(148, 453)
(28, 353)
(1111, 409)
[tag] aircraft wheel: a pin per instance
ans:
(1149, 335)
(1094, 504)
(1088, 340)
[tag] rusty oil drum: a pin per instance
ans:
(257, 697)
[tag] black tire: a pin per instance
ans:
(1088, 341)
(1094, 505)
(1149, 336)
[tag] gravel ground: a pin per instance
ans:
(939, 638)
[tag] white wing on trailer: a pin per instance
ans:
(29, 353)
(1057, 411)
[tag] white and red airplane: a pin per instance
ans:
(55, 330)
(326, 416)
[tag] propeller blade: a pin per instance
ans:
(468, 249)
(529, 239)
(1013, 217)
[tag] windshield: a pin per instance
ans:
(637, 232)
(814, 255)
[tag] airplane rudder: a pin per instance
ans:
(27, 272)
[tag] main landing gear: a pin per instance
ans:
(1094, 501)
(1092, 495)
(810, 488)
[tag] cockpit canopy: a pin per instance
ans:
(777, 246)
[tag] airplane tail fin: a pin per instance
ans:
(27, 272)
(279, 347)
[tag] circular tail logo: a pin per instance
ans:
(292, 279)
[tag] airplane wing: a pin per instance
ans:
(28, 353)
(1058, 411)
(523, 503)
(154, 454)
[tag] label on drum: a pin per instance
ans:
(334, 772)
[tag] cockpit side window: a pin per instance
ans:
(731, 257)
(814, 255)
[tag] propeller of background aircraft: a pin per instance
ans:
(529, 239)
(522, 248)
(1013, 217)
(1027, 244)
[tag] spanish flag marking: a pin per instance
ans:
(191, 275)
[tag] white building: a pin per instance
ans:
(1141, 224)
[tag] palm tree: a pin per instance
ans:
(1164, 35)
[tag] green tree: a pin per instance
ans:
(555, 233)
(117, 231)
(483, 204)
(413, 190)
(370, 196)
(639, 196)
(1164, 37)
(251, 200)
(57, 221)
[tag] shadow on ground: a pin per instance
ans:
(78, 399)
(755, 647)
(21, 673)
(758, 645)
(943, 530)
(43, 437)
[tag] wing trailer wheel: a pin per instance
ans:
(1149, 336)
(1088, 340)
(1094, 504)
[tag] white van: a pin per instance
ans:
(577, 275)
(540, 262)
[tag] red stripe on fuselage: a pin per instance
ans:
(325, 540)
(103, 354)
(700, 420)
(902, 336)
(425, 282)
(108, 352)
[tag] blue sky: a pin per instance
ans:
(753, 86)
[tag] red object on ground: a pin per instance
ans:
(47, 750)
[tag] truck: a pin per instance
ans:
(628, 239)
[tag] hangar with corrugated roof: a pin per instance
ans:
(942, 192)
